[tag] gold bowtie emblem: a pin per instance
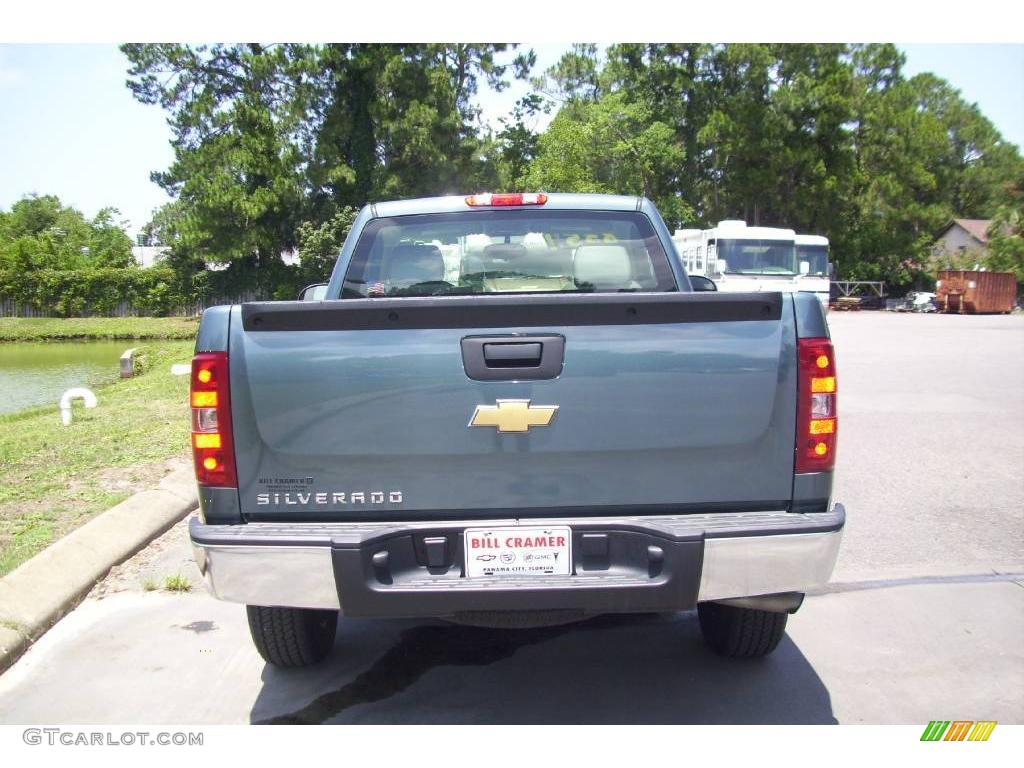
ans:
(513, 415)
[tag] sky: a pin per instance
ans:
(69, 126)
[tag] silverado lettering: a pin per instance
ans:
(373, 497)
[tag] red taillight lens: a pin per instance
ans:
(506, 198)
(816, 423)
(212, 449)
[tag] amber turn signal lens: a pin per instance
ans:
(822, 361)
(204, 399)
(206, 440)
(823, 384)
(205, 375)
(823, 426)
(210, 463)
(821, 449)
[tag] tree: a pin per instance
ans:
(1006, 233)
(674, 81)
(109, 244)
(235, 113)
(610, 145)
(274, 144)
(575, 77)
(517, 143)
(269, 136)
(923, 157)
(39, 232)
(319, 245)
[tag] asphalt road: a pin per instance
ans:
(930, 463)
(924, 619)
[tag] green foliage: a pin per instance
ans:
(42, 233)
(277, 145)
(609, 145)
(51, 257)
(319, 246)
(86, 292)
(575, 77)
(1006, 234)
(177, 583)
(270, 136)
(517, 144)
(109, 245)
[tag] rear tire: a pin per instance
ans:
(740, 633)
(292, 637)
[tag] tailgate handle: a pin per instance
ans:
(513, 358)
(505, 355)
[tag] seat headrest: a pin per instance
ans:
(414, 263)
(602, 265)
(504, 251)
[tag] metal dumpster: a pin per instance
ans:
(963, 291)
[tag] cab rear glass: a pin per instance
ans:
(508, 251)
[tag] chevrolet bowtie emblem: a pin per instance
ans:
(513, 415)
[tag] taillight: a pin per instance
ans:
(817, 422)
(212, 450)
(506, 198)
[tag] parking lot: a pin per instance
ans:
(923, 619)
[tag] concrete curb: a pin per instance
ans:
(35, 595)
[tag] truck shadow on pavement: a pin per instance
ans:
(610, 669)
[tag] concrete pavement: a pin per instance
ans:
(905, 654)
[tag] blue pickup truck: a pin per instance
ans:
(514, 409)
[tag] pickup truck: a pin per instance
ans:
(514, 410)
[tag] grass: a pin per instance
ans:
(54, 478)
(176, 583)
(149, 585)
(99, 328)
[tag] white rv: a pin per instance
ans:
(741, 258)
(813, 249)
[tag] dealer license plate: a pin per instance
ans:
(518, 551)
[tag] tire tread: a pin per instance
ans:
(292, 637)
(741, 633)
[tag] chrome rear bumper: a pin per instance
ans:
(648, 564)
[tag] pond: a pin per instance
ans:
(34, 374)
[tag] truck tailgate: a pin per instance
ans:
(352, 409)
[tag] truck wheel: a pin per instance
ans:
(740, 632)
(292, 637)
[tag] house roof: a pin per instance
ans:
(976, 228)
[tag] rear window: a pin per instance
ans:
(508, 251)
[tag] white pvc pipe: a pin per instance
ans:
(72, 394)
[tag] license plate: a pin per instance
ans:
(518, 551)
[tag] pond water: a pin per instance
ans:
(38, 373)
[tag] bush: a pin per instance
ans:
(94, 292)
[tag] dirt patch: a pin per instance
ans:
(130, 479)
(42, 521)
(167, 556)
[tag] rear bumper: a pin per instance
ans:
(632, 564)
